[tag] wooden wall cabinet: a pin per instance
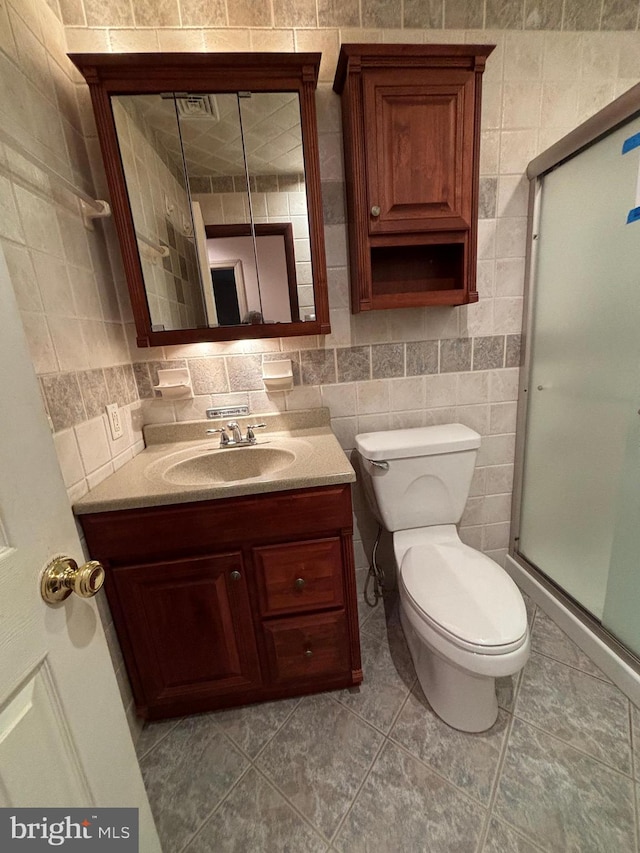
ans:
(411, 124)
(215, 604)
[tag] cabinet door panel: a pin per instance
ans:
(419, 148)
(305, 647)
(189, 623)
(299, 576)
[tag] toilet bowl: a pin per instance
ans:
(463, 617)
(465, 624)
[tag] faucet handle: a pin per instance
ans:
(224, 438)
(250, 428)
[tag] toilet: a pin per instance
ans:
(463, 617)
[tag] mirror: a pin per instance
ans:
(215, 191)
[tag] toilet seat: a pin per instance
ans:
(464, 596)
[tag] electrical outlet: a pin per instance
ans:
(115, 423)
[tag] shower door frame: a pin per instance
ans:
(615, 114)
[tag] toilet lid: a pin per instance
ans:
(465, 593)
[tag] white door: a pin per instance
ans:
(64, 739)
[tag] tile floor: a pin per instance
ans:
(374, 770)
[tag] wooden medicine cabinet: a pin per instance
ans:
(197, 141)
(411, 124)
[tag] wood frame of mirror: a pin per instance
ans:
(109, 74)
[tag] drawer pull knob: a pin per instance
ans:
(375, 210)
(235, 576)
(300, 583)
(308, 653)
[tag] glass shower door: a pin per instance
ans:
(581, 478)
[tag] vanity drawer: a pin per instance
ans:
(299, 576)
(304, 647)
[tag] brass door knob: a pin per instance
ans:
(63, 576)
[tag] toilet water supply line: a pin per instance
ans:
(375, 573)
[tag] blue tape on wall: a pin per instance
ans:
(631, 143)
(633, 215)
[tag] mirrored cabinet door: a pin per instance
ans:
(215, 192)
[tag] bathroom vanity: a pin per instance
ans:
(225, 593)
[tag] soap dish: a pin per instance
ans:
(278, 375)
(174, 383)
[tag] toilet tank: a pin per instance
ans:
(418, 477)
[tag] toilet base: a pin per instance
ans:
(463, 700)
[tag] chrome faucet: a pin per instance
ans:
(234, 429)
(236, 439)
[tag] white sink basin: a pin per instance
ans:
(203, 465)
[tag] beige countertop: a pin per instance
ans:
(319, 461)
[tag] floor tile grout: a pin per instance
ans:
(216, 807)
(360, 787)
(292, 805)
(603, 680)
(365, 720)
(521, 834)
(495, 784)
(573, 746)
(274, 784)
(283, 723)
(437, 773)
(144, 754)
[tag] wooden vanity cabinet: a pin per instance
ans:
(411, 124)
(225, 602)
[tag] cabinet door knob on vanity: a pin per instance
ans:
(308, 653)
(300, 583)
(375, 210)
(235, 576)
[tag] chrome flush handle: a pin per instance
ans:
(384, 465)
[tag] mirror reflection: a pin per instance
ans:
(216, 184)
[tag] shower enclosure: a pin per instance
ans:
(576, 521)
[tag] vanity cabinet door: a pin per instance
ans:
(188, 623)
(419, 149)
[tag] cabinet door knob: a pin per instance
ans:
(375, 210)
(235, 576)
(308, 653)
(300, 583)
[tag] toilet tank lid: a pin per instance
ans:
(417, 441)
